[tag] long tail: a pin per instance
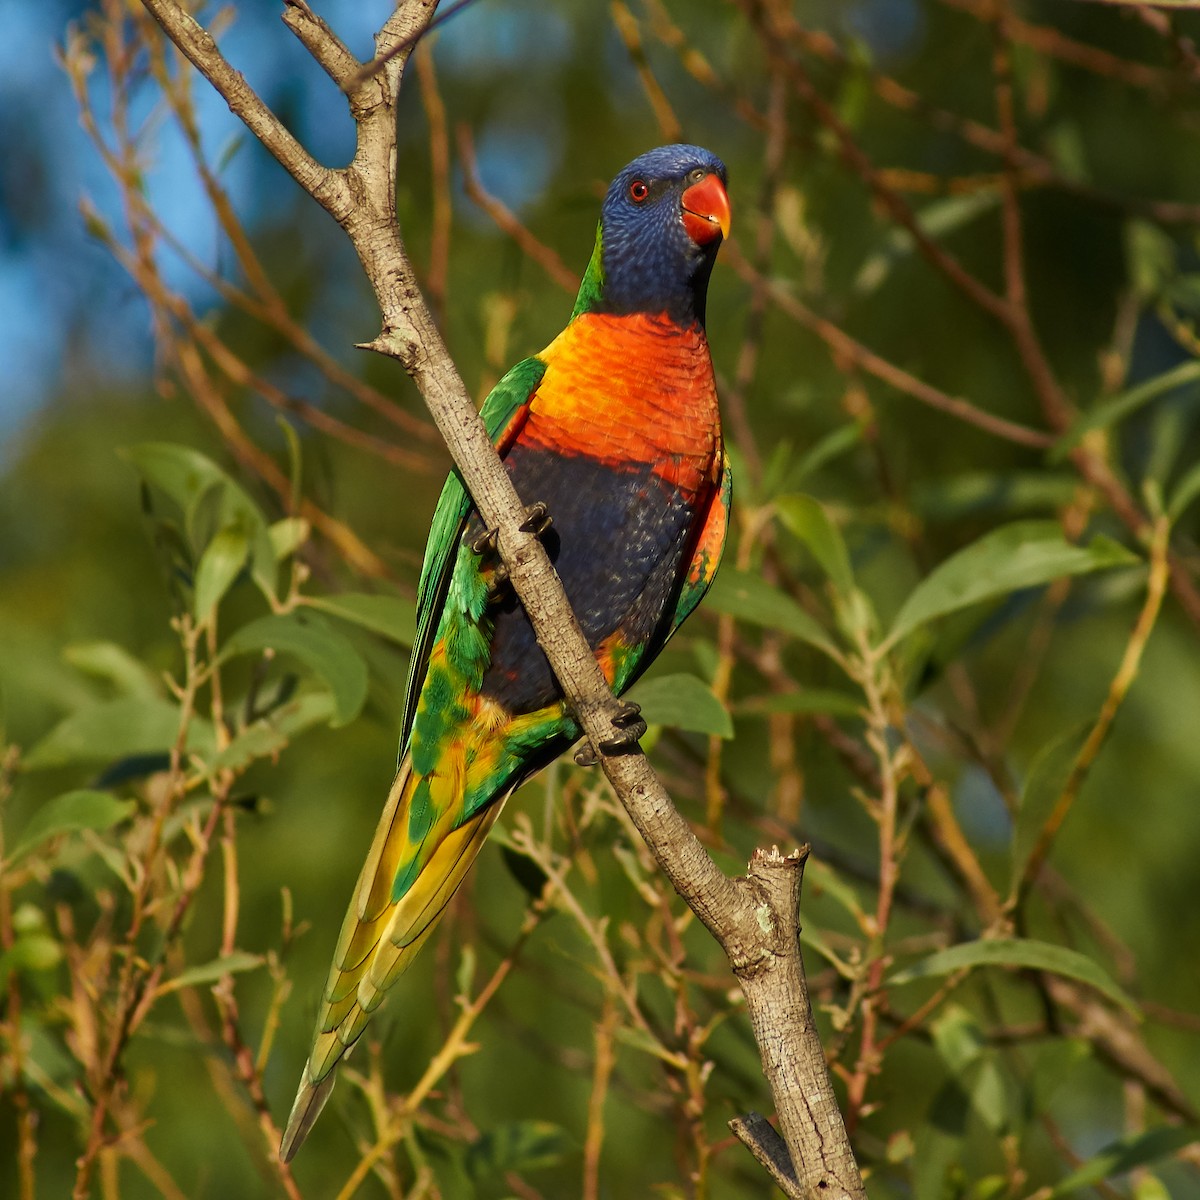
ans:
(381, 936)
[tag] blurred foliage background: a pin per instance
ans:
(962, 294)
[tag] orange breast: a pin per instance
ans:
(630, 390)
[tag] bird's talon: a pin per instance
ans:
(486, 543)
(626, 715)
(537, 519)
(626, 739)
(585, 755)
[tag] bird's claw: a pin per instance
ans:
(630, 729)
(537, 519)
(487, 546)
(628, 714)
(487, 543)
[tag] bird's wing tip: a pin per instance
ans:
(310, 1099)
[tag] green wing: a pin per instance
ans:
(503, 414)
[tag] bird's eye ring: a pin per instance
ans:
(638, 191)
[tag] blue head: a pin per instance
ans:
(660, 228)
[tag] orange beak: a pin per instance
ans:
(706, 213)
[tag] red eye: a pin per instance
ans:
(638, 191)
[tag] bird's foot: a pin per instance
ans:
(630, 729)
(486, 545)
(537, 519)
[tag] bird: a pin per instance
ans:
(612, 437)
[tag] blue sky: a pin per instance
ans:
(69, 317)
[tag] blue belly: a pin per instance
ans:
(620, 542)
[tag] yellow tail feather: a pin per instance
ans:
(380, 938)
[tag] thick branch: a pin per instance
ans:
(777, 1000)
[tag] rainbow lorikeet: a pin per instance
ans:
(613, 431)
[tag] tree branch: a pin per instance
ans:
(755, 919)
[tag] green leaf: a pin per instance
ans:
(1109, 412)
(1136, 1150)
(70, 812)
(1006, 493)
(210, 499)
(33, 952)
(1048, 775)
(682, 702)
(115, 665)
(322, 649)
(833, 445)
(271, 733)
(1185, 492)
(1150, 1187)
(750, 598)
(809, 521)
(219, 566)
(958, 1038)
(213, 972)
(387, 615)
(936, 219)
(1150, 258)
(646, 1042)
(114, 729)
(189, 477)
(1016, 952)
(1021, 555)
(990, 1187)
(464, 976)
(517, 1146)
(822, 879)
(288, 535)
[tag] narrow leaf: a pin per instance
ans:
(191, 479)
(750, 598)
(682, 702)
(833, 445)
(1136, 1150)
(1016, 952)
(115, 729)
(115, 665)
(327, 653)
(1021, 555)
(1185, 492)
(1005, 493)
(1111, 411)
(809, 521)
(214, 971)
(70, 812)
(1048, 774)
(517, 1146)
(211, 500)
(287, 536)
(222, 560)
(390, 616)
(272, 733)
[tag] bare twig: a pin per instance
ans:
(761, 1138)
